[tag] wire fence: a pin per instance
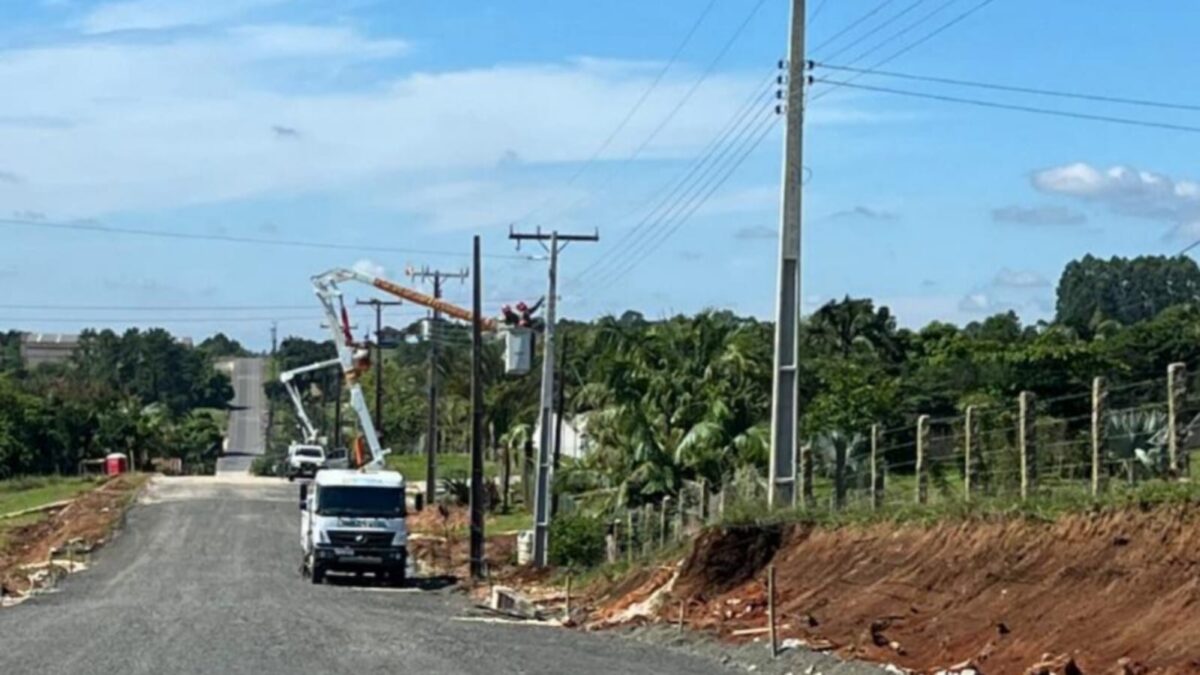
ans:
(1066, 448)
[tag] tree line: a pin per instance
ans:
(688, 397)
(143, 393)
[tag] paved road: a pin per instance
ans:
(247, 430)
(204, 579)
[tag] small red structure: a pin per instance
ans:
(115, 463)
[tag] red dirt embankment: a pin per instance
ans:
(89, 518)
(1002, 593)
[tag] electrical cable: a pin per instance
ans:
(634, 109)
(852, 25)
(1015, 107)
(693, 179)
(195, 236)
(912, 45)
(675, 110)
(862, 38)
(1103, 98)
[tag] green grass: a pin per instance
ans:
(18, 494)
(449, 465)
(498, 523)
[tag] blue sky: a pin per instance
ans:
(402, 124)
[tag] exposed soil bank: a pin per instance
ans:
(88, 520)
(1002, 593)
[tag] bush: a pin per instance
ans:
(265, 465)
(577, 540)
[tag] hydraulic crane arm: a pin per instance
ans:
(286, 377)
(331, 301)
(336, 276)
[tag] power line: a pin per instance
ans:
(1009, 106)
(696, 204)
(852, 25)
(234, 239)
(1010, 88)
(159, 308)
(636, 106)
(862, 38)
(912, 45)
(816, 12)
(146, 320)
(708, 71)
(713, 150)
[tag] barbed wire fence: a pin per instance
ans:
(1076, 446)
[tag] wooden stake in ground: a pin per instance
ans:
(1099, 398)
(922, 447)
(771, 611)
(682, 605)
(968, 441)
(1176, 388)
(568, 599)
(876, 491)
(1027, 444)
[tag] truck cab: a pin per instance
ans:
(304, 460)
(354, 521)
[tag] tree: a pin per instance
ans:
(220, 346)
(1126, 290)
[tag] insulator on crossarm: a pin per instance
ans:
(779, 94)
(782, 64)
(780, 79)
(811, 64)
(779, 108)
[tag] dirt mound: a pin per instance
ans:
(1004, 594)
(90, 519)
(722, 559)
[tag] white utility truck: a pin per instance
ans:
(353, 521)
(304, 461)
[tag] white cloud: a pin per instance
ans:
(1019, 279)
(368, 266)
(1126, 191)
(189, 120)
(159, 14)
(976, 302)
(861, 212)
(1038, 215)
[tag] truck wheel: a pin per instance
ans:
(395, 577)
(318, 574)
(291, 478)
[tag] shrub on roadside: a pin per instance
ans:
(577, 541)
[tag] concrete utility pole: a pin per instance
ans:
(560, 406)
(378, 305)
(541, 519)
(431, 433)
(477, 556)
(785, 395)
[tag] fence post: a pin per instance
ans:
(922, 446)
(1099, 396)
(663, 524)
(839, 477)
(681, 520)
(1027, 442)
(876, 492)
(806, 475)
(968, 446)
(703, 503)
(647, 528)
(629, 537)
(1176, 388)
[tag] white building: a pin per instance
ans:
(575, 442)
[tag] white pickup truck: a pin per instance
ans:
(354, 521)
(304, 460)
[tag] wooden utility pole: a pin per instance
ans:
(560, 407)
(543, 483)
(968, 449)
(477, 555)
(378, 305)
(784, 404)
(431, 430)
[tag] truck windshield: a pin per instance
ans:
(372, 502)
(308, 452)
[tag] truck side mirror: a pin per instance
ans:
(303, 495)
